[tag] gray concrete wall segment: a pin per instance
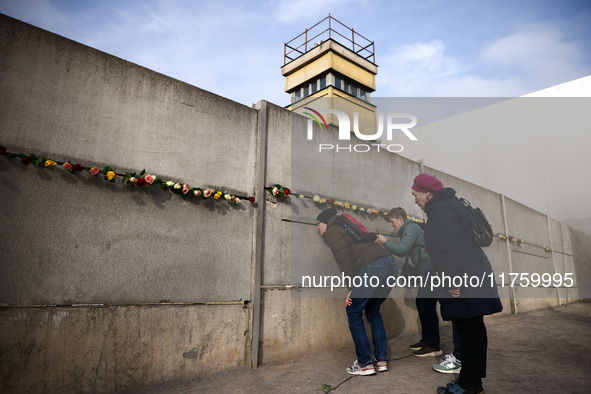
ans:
(108, 111)
(122, 348)
(97, 242)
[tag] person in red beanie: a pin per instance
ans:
(454, 254)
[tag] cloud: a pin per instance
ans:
(535, 57)
(538, 54)
(411, 70)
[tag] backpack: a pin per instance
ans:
(355, 229)
(481, 229)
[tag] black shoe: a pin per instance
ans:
(417, 346)
(427, 351)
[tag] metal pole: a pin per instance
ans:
(259, 232)
(511, 289)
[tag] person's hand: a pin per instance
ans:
(348, 300)
(455, 293)
(381, 239)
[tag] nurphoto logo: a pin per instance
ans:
(393, 123)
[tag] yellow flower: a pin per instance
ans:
(217, 195)
(49, 163)
(347, 205)
(110, 175)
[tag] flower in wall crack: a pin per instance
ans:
(251, 199)
(301, 196)
(322, 200)
(197, 192)
(316, 198)
(185, 189)
(68, 166)
(133, 180)
(93, 171)
(354, 207)
(347, 205)
(150, 178)
(50, 163)
(78, 167)
(207, 192)
(275, 191)
(217, 195)
(25, 161)
(141, 181)
(110, 175)
(178, 186)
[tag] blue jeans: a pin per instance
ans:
(427, 309)
(368, 297)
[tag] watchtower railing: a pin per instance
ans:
(357, 43)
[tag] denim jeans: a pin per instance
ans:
(368, 297)
(427, 309)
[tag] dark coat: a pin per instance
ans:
(449, 241)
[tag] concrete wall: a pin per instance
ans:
(205, 280)
(76, 239)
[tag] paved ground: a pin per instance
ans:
(546, 351)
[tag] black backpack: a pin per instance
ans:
(481, 229)
(356, 230)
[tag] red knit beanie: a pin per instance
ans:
(427, 183)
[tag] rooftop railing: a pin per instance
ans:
(337, 31)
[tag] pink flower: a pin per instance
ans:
(275, 191)
(133, 179)
(94, 171)
(185, 189)
(68, 166)
(150, 178)
(207, 192)
(197, 193)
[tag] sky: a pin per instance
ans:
(431, 48)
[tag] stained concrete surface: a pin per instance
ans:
(544, 351)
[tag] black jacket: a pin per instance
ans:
(449, 241)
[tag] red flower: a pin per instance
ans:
(25, 161)
(286, 192)
(78, 167)
(251, 199)
(2, 150)
(94, 171)
(142, 182)
(331, 201)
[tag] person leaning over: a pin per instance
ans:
(412, 244)
(453, 252)
(360, 259)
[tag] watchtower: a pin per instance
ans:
(334, 62)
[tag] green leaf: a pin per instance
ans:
(143, 172)
(324, 388)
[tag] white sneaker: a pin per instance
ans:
(382, 365)
(450, 364)
(357, 369)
